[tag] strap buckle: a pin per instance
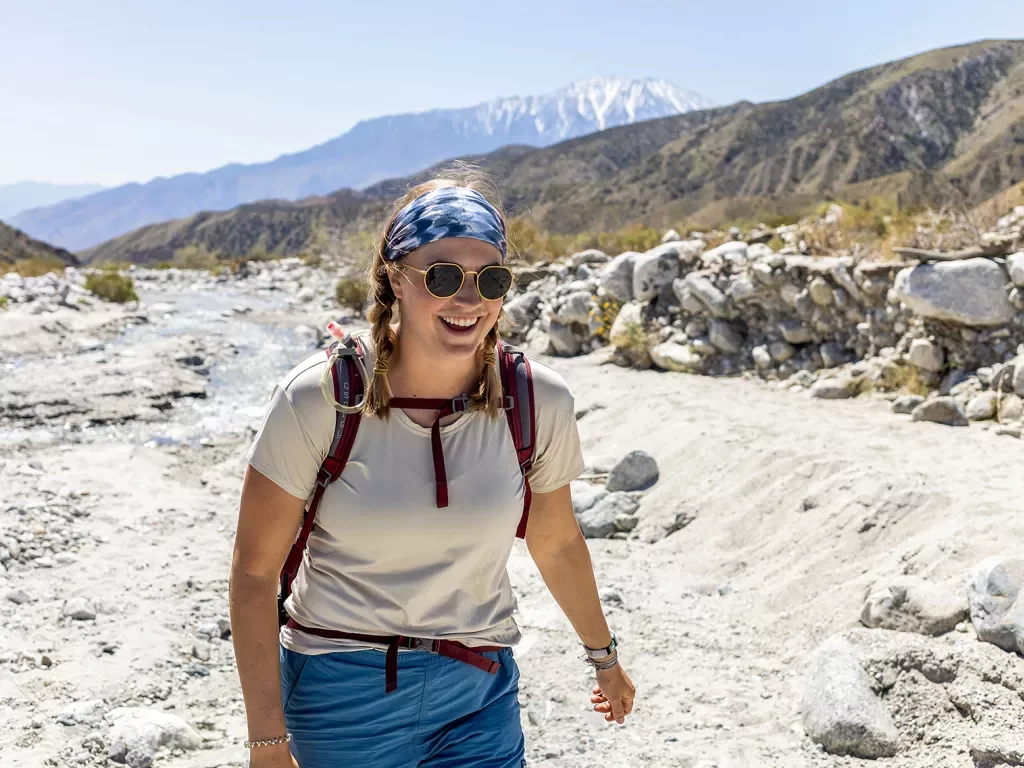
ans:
(323, 477)
(422, 644)
(460, 404)
(510, 402)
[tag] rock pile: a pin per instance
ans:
(611, 511)
(927, 680)
(924, 323)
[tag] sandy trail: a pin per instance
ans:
(797, 507)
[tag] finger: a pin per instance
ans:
(597, 699)
(627, 706)
(596, 689)
(618, 713)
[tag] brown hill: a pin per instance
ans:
(16, 246)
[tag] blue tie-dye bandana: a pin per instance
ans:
(445, 212)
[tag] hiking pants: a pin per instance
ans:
(445, 713)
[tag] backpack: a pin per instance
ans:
(344, 356)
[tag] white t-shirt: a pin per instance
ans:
(382, 559)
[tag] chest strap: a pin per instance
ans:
(447, 648)
(443, 408)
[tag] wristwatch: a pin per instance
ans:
(602, 653)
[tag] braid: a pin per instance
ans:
(377, 396)
(489, 392)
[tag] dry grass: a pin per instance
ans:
(35, 266)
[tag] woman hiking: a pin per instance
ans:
(397, 649)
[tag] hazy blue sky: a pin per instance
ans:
(104, 91)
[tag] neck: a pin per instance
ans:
(426, 376)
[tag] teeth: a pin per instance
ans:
(460, 322)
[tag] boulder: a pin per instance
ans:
(655, 269)
(726, 337)
(941, 410)
(144, 731)
(624, 329)
(701, 288)
(794, 331)
(673, 356)
(563, 340)
(616, 278)
(925, 355)
(1018, 377)
(762, 357)
(636, 471)
(575, 308)
(834, 389)
(79, 609)
(602, 520)
(994, 596)
(833, 354)
(671, 236)
(1015, 265)
(982, 406)
(732, 252)
(820, 291)
(840, 711)
(911, 604)
(781, 351)
(1011, 409)
(589, 256)
(760, 251)
(523, 310)
(971, 292)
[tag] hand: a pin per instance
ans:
(613, 694)
(276, 756)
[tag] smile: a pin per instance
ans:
(462, 323)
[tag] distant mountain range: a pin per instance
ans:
(945, 126)
(372, 150)
(23, 195)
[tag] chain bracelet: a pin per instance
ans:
(268, 742)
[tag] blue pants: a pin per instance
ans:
(445, 713)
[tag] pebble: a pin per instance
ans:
(79, 609)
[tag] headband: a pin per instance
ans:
(441, 213)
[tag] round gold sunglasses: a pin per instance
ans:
(443, 280)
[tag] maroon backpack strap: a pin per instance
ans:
(347, 380)
(517, 389)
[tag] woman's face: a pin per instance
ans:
(454, 327)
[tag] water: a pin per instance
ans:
(239, 385)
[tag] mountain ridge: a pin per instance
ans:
(372, 150)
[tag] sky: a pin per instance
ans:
(110, 92)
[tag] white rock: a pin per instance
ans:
(997, 609)
(671, 236)
(585, 495)
(653, 270)
(910, 604)
(926, 355)
(146, 730)
(1015, 264)
(616, 278)
(672, 356)
(970, 292)
(982, 407)
(80, 609)
(624, 329)
(84, 712)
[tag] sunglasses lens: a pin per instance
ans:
(494, 282)
(444, 280)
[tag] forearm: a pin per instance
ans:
(569, 575)
(254, 632)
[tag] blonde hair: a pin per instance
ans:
(488, 394)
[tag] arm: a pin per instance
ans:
(268, 518)
(558, 548)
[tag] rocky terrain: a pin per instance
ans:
(797, 580)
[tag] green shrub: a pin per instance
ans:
(351, 292)
(112, 286)
(194, 257)
(3, 302)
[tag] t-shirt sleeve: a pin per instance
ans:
(558, 458)
(296, 432)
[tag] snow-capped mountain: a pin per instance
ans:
(381, 148)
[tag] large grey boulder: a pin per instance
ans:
(794, 331)
(636, 471)
(523, 310)
(910, 604)
(834, 389)
(941, 410)
(616, 277)
(971, 292)
(982, 406)
(563, 340)
(655, 269)
(840, 710)
(994, 596)
(624, 328)
(906, 403)
(144, 731)
(610, 515)
(590, 256)
(733, 252)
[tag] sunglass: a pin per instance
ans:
(443, 280)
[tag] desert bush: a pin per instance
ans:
(351, 292)
(3, 302)
(35, 266)
(111, 286)
(194, 257)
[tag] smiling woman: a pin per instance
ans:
(410, 549)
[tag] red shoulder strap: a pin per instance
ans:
(348, 390)
(517, 389)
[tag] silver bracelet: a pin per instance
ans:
(612, 661)
(268, 742)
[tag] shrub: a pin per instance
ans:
(112, 286)
(3, 302)
(194, 257)
(351, 292)
(36, 266)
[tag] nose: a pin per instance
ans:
(468, 295)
